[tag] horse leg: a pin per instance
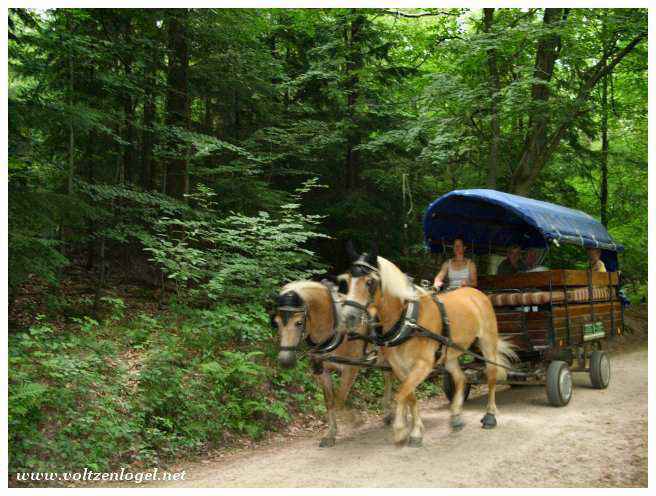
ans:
(417, 432)
(325, 381)
(349, 375)
(404, 398)
(453, 367)
(387, 398)
(488, 349)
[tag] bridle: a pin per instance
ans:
(358, 269)
(402, 330)
(326, 346)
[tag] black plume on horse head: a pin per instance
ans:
(286, 302)
(289, 299)
(369, 259)
(350, 251)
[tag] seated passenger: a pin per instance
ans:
(596, 265)
(513, 263)
(459, 271)
(531, 261)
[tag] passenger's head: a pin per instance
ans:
(514, 252)
(532, 256)
(594, 254)
(458, 247)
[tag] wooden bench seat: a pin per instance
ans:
(540, 297)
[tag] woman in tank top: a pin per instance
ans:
(458, 271)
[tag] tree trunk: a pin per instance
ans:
(353, 64)
(130, 171)
(71, 131)
(177, 108)
(129, 161)
(208, 117)
(495, 88)
(151, 175)
(531, 160)
(591, 78)
(603, 189)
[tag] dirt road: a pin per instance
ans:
(598, 440)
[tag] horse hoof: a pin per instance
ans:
(489, 421)
(415, 442)
(327, 442)
(457, 423)
(388, 419)
(401, 437)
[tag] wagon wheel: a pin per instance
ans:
(599, 369)
(559, 383)
(449, 387)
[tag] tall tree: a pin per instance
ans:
(177, 102)
(540, 145)
(536, 140)
(495, 90)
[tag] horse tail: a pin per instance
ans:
(505, 356)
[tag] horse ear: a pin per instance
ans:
(373, 255)
(351, 251)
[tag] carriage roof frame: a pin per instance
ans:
(488, 218)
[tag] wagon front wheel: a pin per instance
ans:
(599, 369)
(449, 387)
(559, 383)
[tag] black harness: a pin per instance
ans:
(407, 327)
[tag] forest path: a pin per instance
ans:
(598, 440)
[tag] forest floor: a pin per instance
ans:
(598, 440)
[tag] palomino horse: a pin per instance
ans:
(378, 287)
(310, 311)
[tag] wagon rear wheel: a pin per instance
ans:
(599, 369)
(449, 387)
(559, 383)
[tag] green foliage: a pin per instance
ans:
(385, 112)
(196, 402)
(76, 400)
(67, 401)
(238, 257)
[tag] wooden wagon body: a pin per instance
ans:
(559, 320)
(544, 313)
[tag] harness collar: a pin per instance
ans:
(402, 330)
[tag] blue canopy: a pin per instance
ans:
(487, 218)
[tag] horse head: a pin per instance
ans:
(305, 310)
(364, 287)
(290, 319)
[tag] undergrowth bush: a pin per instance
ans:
(67, 403)
(77, 400)
(234, 257)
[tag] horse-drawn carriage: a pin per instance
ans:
(549, 323)
(559, 320)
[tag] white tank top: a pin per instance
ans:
(456, 277)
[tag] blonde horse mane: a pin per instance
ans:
(305, 289)
(394, 282)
